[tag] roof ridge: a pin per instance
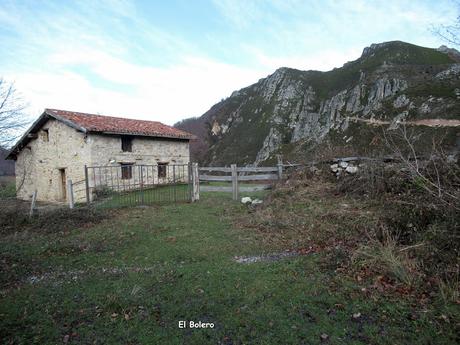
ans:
(103, 115)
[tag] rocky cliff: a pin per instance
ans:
(297, 111)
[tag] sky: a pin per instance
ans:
(170, 60)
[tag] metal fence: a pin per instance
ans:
(130, 184)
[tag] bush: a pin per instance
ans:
(384, 254)
(420, 209)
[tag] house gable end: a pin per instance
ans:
(35, 128)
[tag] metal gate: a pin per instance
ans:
(131, 184)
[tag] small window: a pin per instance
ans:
(46, 135)
(126, 171)
(126, 144)
(162, 167)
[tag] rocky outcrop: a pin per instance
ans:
(389, 84)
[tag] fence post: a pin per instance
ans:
(234, 181)
(88, 201)
(32, 204)
(280, 167)
(70, 193)
(195, 182)
(141, 182)
(190, 182)
(174, 183)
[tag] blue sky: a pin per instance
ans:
(168, 60)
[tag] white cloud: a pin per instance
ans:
(322, 60)
(67, 61)
(163, 94)
(106, 57)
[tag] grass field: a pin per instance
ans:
(131, 278)
(7, 187)
(149, 196)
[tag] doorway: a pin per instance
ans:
(63, 184)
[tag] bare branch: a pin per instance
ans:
(449, 33)
(12, 117)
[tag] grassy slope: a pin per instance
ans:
(189, 248)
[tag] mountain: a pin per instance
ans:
(198, 146)
(297, 112)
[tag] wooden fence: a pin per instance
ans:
(235, 174)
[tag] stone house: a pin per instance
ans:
(60, 143)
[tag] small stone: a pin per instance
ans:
(246, 200)
(324, 337)
(351, 169)
(256, 201)
(343, 164)
(356, 315)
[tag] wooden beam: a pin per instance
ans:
(258, 177)
(258, 169)
(215, 178)
(230, 189)
(214, 169)
(196, 182)
(70, 193)
(280, 167)
(234, 182)
(32, 204)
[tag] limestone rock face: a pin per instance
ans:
(391, 83)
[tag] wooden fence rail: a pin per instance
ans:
(235, 174)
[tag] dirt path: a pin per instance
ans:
(424, 122)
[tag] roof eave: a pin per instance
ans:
(35, 126)
(67, 122)
(16, 148)
(144, 135)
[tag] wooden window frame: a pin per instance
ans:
(127, 143)
(162, 169)
(126, 171)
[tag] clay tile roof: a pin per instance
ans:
(118, 125)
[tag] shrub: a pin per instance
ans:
(385, 256)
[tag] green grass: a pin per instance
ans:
(188, 250)
(7, 187)
(149, 196)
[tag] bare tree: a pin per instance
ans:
(450, 33)
(434, 174)
(12, 117)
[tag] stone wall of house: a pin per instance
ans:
(42, 162)
(107, 151)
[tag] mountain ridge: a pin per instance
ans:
(390, 80)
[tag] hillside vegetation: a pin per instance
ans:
(392, 82)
